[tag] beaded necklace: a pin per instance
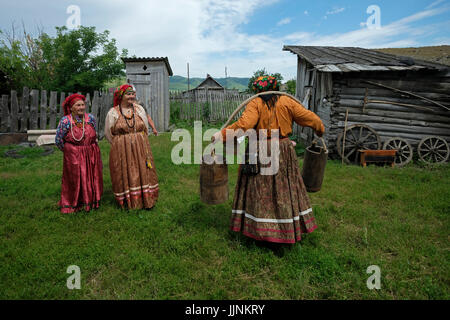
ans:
(71, 129)
(126, 118)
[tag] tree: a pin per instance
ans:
(13, 67)
(291, 86)
(74, 60)
(262, 72)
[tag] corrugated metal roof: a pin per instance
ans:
(354, 59)
(163, 59)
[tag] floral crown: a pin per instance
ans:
(265, 83)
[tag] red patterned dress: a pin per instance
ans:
(82, 179)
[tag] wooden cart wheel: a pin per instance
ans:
(433, 149)
(404, 150)
(357, 137)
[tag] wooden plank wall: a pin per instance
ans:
(307, 80)
(207, 105)
(390, 119)
(40, 109)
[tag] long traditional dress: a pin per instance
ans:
(132, 168)
(82, 179)
(274, 208)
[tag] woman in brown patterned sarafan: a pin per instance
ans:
(133, 174)
(275, 207)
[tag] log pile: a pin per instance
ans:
(389, 112)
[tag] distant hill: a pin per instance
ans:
(439, 54)
(180, 83)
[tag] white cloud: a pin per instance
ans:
(306, 12)
(208, 34)
(284, 21)
(375, 38)
(435, 3)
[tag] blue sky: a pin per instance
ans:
(242, 35)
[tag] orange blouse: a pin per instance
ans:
(281, 117)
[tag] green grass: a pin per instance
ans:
(183, 249)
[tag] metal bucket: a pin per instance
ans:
(213, 180)
(314, 164)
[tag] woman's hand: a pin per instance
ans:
(155, 132)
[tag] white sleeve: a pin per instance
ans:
(110, 121)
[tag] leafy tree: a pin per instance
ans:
(74, 60)
(13, 69)
(291, 86)
(262, 72)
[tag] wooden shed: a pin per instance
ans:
(373, 97)
(150, 76)
(209, 83)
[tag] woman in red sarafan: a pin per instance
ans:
(82, 179)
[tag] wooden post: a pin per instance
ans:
(14, 111)
(188, 75)
(95, 102)
(24, 109)
(43, 118)
(343, 140)
(34, 109)
(60, 107)
(52, 107)
(5, 123)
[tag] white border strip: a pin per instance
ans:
(247, 215)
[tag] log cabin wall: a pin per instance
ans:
(392, 114)
(338, 75)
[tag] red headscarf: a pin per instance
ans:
(70, 101)
(120, 91)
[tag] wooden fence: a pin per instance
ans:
(36, 109)
(40, 109)
(207, 105)
(216, 106)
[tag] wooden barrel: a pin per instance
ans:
(313, 169)
(213, 180)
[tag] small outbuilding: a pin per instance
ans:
(209, 83)
(150, 76)
(372, 100)
(206, 88)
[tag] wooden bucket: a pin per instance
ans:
(314, 166)
(213, 180)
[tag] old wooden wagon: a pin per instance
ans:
(372, 100)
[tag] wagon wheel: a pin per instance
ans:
(433, 149)
(404, 150)
(357, 137)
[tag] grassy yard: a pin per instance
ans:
(397, 219)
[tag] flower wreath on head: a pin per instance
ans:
(120, 91)
(265, 83)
